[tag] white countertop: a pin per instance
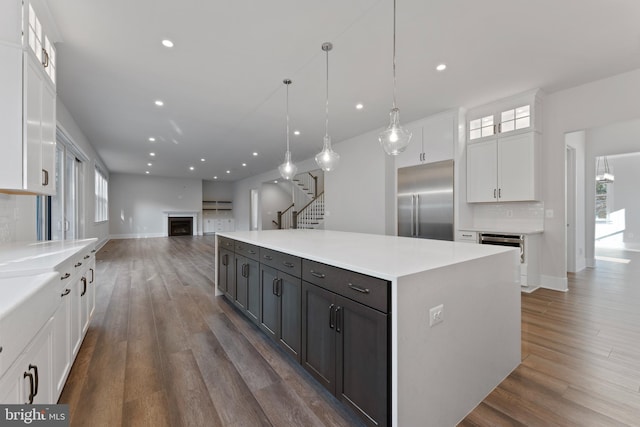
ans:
(31, 258)
(17, 289)
(505, 230)
(386, 257)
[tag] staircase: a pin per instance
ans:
(312, 214)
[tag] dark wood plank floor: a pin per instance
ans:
(162, 351)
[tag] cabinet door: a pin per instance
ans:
(413, 154)
(482, 171)
(517, 171)
(75, 317)
(438, 138)
(226, 272)
(288, 290)
(242, 281)
(61, 343)
(253, 290)
(48, 147)
(38, 363)
(362, 360)
(269, 301)
(91, 290)
(84, 305)
(33, 85)
(318, 336)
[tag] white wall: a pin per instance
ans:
(273, 198)
(577, 142)
(588, 106)
(216, 190)
(137, 203)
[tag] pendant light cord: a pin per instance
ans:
(326, 121)
(394, 54)
(287, 82)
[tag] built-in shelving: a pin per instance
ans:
(217, 205)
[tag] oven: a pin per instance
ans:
(512, 240)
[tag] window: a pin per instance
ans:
(481, 127)
(102, 197)
(518, 118)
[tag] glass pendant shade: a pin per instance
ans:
(327, 159)
(394, 139)
(288, 170)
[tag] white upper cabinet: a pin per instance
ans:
(503, 150)
(432, 140)
(27, 101)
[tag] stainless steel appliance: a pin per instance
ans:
(425, 201)
(513, 240)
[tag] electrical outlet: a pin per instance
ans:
(436, 315)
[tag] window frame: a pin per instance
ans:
(101, 193)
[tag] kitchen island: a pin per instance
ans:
(436, 373)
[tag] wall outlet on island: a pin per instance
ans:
(436, 315)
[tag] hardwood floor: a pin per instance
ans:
(161, 350)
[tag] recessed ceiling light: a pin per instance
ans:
(191, 168)
(275, 181)
(244, 164)
(159, 103)
(228, 171)
(202, 160)
(152, 139)
(149, 164)
(167, 43)
(359, 106)
(146, 172)
(296, 132)
(441, 67)
(215, 177)
(152, 154)
(255, 154)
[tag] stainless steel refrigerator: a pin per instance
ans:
(425, 201)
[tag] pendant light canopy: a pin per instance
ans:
(327, 159)
(287, 170)
(394, 139)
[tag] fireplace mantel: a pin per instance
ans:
(192, 214)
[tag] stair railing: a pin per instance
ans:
(311, 214)
(285, 218)
(308, 184)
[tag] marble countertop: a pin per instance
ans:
(32, 258)
(386, 257)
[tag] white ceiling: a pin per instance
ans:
(222, 82)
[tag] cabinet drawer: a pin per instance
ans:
(248, 250)
(467, 236)
(290, 264)
(367, 290)
(226, 243)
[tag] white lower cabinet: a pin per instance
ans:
(62, 341)
(30, 379)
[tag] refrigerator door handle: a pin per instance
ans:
(413, 210)
(417, 204)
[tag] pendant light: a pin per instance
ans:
(287, 169)
(394, 139)
(327, 159)
(605, 177)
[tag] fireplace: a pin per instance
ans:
(180, 226)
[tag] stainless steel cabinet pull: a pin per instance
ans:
(78, 264)
(499, 193)
(84, 286)
(358, 288)
(45, 177)
(318, 275)
(273, 285)
(331, 319)
(65, 293)
(66, 276)
(288, 264)
(338, 319)
(268, 257)
(245, 270)
(494, 193)
(93, 276)
(87, 256)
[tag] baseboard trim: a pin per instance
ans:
(554, 283)
(136, 236)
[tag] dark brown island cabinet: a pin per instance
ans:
(334, 322)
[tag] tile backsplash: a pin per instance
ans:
(8, 207)
(495, 215)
